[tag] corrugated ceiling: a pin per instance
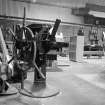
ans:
(66, 3)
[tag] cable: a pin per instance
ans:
(35, 54)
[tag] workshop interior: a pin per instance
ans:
(38, 37)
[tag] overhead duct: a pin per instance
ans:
(90, 9)
(80, 11)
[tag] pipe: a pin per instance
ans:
(44, 21)
(35, 65)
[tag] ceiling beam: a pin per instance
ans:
(43, 3)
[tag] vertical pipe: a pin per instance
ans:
(24, 17)
(22, 80)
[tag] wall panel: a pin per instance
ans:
(37, 11)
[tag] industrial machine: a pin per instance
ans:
(33, 46)
(93, 50)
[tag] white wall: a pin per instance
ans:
(36, 11)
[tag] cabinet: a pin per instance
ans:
(76, 48)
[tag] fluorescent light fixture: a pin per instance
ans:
(97, 14)
(34, 1)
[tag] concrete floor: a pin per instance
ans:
(74, 89)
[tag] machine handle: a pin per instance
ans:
(55, 28)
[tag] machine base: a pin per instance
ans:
(39, 90)
(11, 91)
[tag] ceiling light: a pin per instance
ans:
(34, 1)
